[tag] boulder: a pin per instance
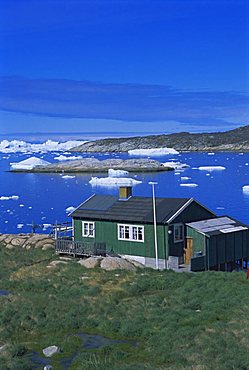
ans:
(114, 263)
(47, 246)
(135, 263)
(91, 262)
(56, 263)
(18, 242)
(3, 349)
(48, 367)
(50, 351)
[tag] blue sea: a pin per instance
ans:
(44, 198)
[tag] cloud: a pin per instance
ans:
(126, 102)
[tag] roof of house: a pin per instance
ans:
(135, 209)
(219, 225)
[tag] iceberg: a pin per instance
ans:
(28, 164)
(117, 173)
(67, 177)
(70, 209)
(189, 185)
(11, 197)
(19, 146)
(153, 152)
(175, 165)
(211, 168)
(245, 188)
(185, 178)
(113, 181)
(71, 158)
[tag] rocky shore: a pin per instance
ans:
(233, 140)
(93, 165)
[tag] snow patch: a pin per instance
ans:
(28, 164)
(153, 152)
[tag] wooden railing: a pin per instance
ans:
(67, 246)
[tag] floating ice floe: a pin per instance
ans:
(71, 158)
(245, 189)
(19, 226)
(211, 168)
(113, 181)
(11, 197)
(70, 209)
(211, 153)
(46, 226)
(117, 173)
(175, 165)
(189, 185)
(185, 178)
(153, 152)
(67, 177)
(15, 146)
(28, 164)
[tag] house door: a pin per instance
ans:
(188, 250)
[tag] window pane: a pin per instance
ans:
(127, 232)
(121, 232)
(91, 229)
(134, 233)
(140, 233)
(85, 229)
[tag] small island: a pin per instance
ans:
(93, 165)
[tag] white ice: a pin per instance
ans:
(70, 209)
(189, 185)
(185, 178)
(175, 165)
(15, 146)
(153, 152)
(113, 181)
(211, 168)
(28, 164)
(117, 173)
(71, 158)
(245, 188)
(67, 177)
(11, 197)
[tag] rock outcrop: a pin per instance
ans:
(50, 351)
(27, 241)
(91, 165)
(233, 140)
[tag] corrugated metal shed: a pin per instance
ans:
(134, 209)
(216, 226)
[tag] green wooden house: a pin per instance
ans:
(124, 225)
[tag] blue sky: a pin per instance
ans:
(124, 65)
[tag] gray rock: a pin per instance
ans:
(48, 367)
(50, 351)
(47, 246)
(114, 263)
(91, 262)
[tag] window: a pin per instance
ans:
(131, 233)
(178, 233)
(88, 229)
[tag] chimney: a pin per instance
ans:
(125, 192)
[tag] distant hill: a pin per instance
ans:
(232, 140)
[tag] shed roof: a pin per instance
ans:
(135, 209)
(218, 225)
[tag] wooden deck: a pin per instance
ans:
(69, 246)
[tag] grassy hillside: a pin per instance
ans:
(178, 321)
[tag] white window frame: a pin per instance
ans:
(88, 223)
(132, 230)
(175, 227)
